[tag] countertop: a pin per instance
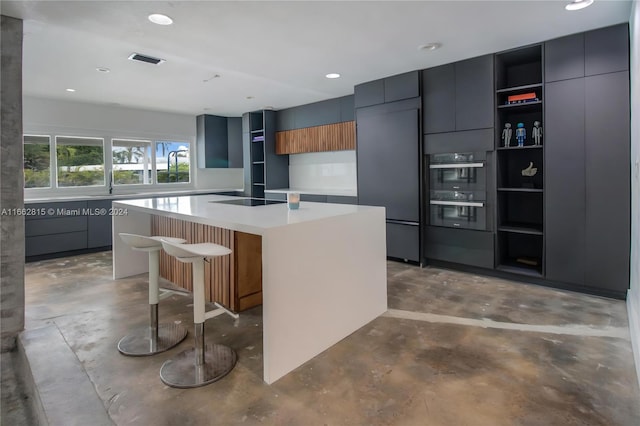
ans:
(339, 192)
(253, 220)
(116, 196)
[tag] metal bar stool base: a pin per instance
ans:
(139, 343)
(183, 371)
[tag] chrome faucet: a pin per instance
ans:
(110, 182)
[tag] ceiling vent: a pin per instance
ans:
(145, 58)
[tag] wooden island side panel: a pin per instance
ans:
(234, 281)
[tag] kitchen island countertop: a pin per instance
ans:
(324, 272)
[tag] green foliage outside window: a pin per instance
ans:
(36, 165)
(182, 174)
(80, 165)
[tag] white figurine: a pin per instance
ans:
(536, 133)
(530, 171)
(506, 134)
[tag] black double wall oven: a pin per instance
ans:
(457, 190)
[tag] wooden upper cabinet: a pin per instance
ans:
(330, 137)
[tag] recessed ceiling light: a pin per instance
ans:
(578, 4)
(333, 75)
(429, 46)
(160, 19)
(102, 69)
(71, 90)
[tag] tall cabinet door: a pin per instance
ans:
(388, 163)
(474, 93)
(564, 168)
(608, 180)
(438, 99)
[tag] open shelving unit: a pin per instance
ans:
(263, 169)
(520, 198)
(257, 138)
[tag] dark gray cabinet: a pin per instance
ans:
(99, 223)
(68, 226)
(402, 86)
(607, 171)
(565, 211)
(234, 136)
(466, 247)
(587, 175)
(331, 111)
(388, 162)
(389, 171)
(219, 141)
(212, 141)
(63, 228)
(370, 93)
(403, 241)
(387, 90)
(438, 99)
(595, 52)
(564, 58)
(458, 96)
(607, 50)
(474, 93)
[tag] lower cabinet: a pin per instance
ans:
(403, 241)
(466, 247)
(67, 226)
(316, 198)
(99, 224)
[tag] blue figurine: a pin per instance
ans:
(521, 134)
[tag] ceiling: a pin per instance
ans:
(267, 54)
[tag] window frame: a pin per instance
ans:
(152, 180)
(54, 190)
(51, 159)
(104, 160)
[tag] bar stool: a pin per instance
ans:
(152, 339)
(201, 364)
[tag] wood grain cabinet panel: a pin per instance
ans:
(234, 281)
(330, 137)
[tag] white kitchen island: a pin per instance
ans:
(323, 266)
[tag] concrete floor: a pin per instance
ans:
(454, 349)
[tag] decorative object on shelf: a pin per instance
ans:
(536, 133)
(506, 134)
(293, 200)
(528, 261)
(522, 98)
(521, 134)
(530, 171)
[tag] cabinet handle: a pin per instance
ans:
(456, 166)
(456, 203)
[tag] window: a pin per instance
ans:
(131, 162)
(94, 162)
(37, 160)
(172, 162)
(80, 161)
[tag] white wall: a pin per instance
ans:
(50, 117)
(323, 170)
(633, 299)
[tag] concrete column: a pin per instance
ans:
(11, 184)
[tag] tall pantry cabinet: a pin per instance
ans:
(587, 166)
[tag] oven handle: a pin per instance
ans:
(457, 203)
(456, 166)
